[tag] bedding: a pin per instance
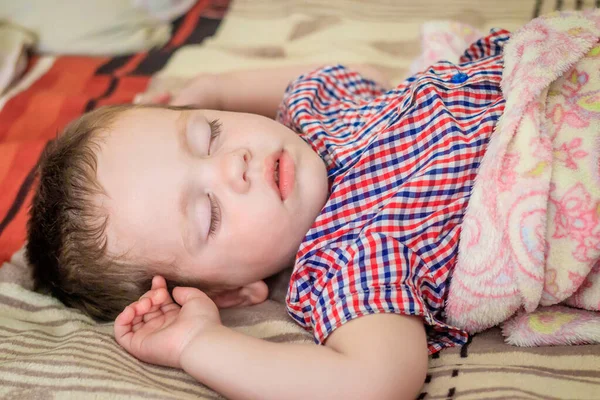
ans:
(48, 351)
(14, 46)
(94, 27)
(529, 236)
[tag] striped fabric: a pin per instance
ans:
(401, 165)
(50, 352)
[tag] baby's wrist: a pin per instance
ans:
(192, 353)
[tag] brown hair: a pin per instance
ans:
(66, 240)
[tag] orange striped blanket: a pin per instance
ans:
(55, 90)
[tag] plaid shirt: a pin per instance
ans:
(401, 165)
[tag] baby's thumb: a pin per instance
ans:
(182, 295)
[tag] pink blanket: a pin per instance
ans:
(531, 232)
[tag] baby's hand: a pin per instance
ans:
(201, 92)
(152, 98)
(155, 329)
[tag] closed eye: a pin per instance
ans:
(215, 131)
(215, 216)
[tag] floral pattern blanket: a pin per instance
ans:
(531, 232)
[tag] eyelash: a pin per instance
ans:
(215, 216)
(215, 212)
(215, 131)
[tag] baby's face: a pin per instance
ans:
(226, 208)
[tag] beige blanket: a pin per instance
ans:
(50, 352)
(271, 33)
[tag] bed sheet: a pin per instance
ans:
(48, 351)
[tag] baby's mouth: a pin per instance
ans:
(280, 173)
(276, 173)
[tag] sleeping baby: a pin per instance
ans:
(158, 215)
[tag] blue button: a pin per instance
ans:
(459, 78)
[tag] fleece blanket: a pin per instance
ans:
(531, 233)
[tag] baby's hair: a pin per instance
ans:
(66, 230)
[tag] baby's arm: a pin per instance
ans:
(254, 91)
(379, 356)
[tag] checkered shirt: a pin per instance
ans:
(401, 165)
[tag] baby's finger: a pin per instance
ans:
(152, 98)
(158, 294)
(158, 297)
(162, 297)
(158, 282)
(162, 98)
(142, 306)
(184, 294)
(151, 295)
(125, 317)
(122, 326)
(141, 98)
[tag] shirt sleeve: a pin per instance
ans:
(329, 108)
(487, 46)
(378, 274)
(330, 92)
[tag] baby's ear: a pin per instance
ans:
(253, 293)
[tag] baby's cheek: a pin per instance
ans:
(268, 233)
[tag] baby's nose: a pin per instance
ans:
(235, 170)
